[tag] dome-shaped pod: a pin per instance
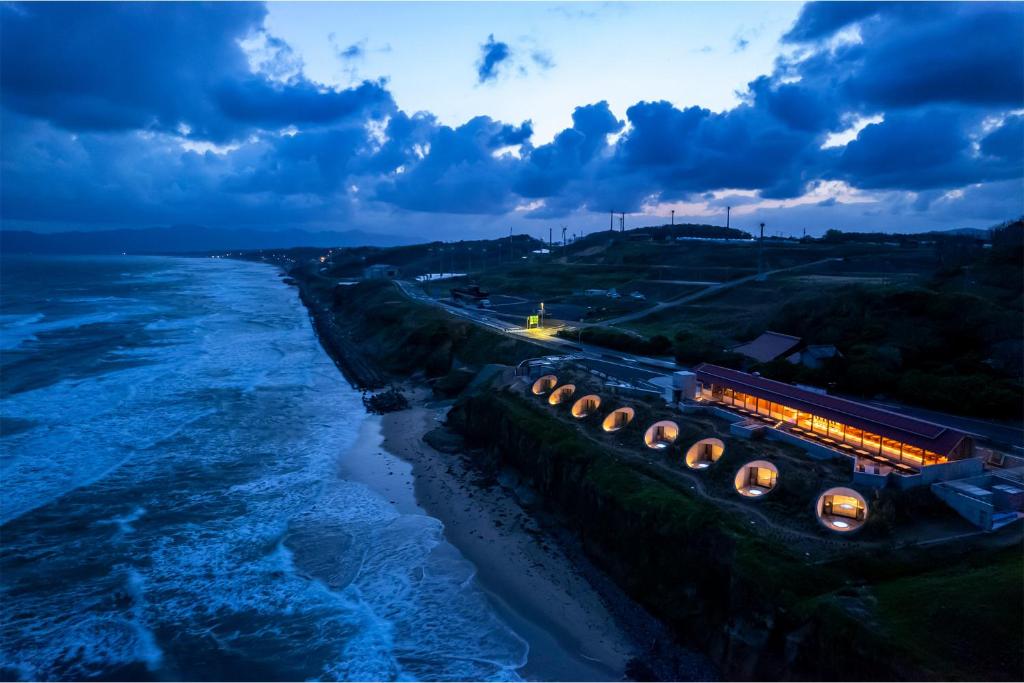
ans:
(562, 394)
(661, 434)
(617, 419)
(544, 384)
(756, 478)
(704, 453)
(842, 509)
(586, 406)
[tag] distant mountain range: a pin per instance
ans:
(184, 238)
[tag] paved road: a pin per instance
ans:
(640, 370)
(626, 367)
(713, 289)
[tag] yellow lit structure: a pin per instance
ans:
(906, 443)
(586, 406)
(661, 434)
(544, 384)
(756, 478)
(562, 394)
(842, 509)
(617, 419)
(704, 453)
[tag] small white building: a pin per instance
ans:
(380, 271)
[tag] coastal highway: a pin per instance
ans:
(713, 289)
(626, 367)
(640, 370)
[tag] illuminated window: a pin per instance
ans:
(872, 442)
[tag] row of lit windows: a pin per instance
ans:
(837, 431)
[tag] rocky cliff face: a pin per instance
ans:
(756, 612)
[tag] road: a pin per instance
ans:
(640, 370)
(713, 289)
(625, 367)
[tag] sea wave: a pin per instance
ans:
(185, 519)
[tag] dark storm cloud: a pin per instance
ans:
(98, 101)
(922, 150)
(461, 173)
(912, 54)
(159, 66)
(492, 54)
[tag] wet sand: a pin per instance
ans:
(530, 580)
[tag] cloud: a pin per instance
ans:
(542, 59)
(122, 67)
(911, 54)
(492, 54)
(353, 51)
(172, 113)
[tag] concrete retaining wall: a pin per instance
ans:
(973, 510)
(955, 469)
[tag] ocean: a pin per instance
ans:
(171, 436)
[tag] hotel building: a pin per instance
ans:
(907, 444)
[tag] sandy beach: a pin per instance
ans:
(532, 581)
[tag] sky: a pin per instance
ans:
(462, 120)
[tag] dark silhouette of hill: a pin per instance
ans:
(182, 239)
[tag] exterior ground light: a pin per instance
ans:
(544, 384)
(562, 394)
(586, 406)
(661, 434)
(756, 478)
(842, 510)
(617, 419)
(704, 453)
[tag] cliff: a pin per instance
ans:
(756, 610)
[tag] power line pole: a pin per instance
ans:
(611, 221)
(564, 228)
(673, 218)
(760, 255)
(622, 222)
(550, 243)
(728, 210)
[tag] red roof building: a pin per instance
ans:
(768, 346)
(860, 428)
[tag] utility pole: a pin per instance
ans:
(728, 210)
(550, 243)
(622, 222)
(611, 221)
(760, 255)
(673, 218)
(564, 228)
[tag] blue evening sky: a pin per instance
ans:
(448, 120)
(691, 53)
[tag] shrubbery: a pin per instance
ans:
(658, 345)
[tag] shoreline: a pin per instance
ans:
(534, 586)
(580, 625)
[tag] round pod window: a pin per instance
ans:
(704, 453)
(562, 394)
(544, 384)
(617, 419)
(842, 509)
(661, 434)
(756, 479)
(586, 406)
